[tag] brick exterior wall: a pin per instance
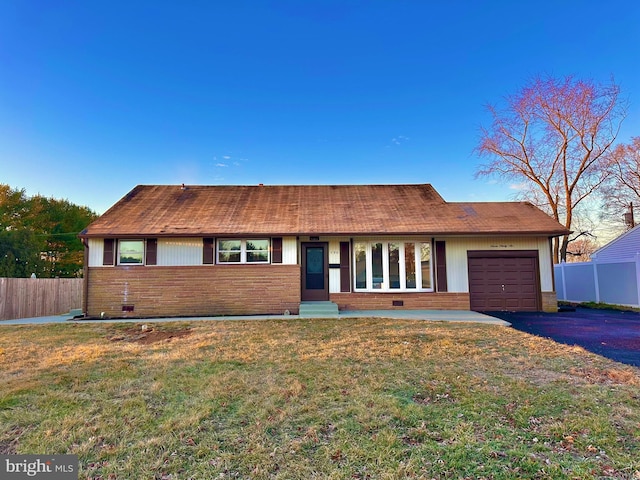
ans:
(189, 291)
(549, 302)
(237, 290)
(412, 301)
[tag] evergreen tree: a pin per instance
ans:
(40, 235)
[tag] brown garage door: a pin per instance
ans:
(504, 280)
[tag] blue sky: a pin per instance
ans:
(99, 96)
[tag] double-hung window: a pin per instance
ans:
(243, 251)
(392, 266)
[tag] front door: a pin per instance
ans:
(315, 275)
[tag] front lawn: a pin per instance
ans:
(301, 399)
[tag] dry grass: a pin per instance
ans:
(339, 399)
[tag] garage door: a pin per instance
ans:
(504, 281)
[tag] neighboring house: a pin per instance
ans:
(227, 250)
(622, 248)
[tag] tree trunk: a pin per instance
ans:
(563, 248)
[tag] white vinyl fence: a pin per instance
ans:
(616, 282)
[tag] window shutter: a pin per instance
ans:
(276, 250)
(151, 257)
(207, 251)
(107, 252)
(345, 267)
(441, 267)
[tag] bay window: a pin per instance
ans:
(392, 266)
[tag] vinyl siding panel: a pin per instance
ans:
(546, 265)
(183, 252)
(174, 252)
(457, 272)
(289, 251)
(623, 248)
(334, 280)
(96, 251)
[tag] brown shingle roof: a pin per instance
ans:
(171, 210)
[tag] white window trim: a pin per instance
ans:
(118, 255)
(385, 266)
(243, 251)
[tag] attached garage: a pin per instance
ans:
(506, 280)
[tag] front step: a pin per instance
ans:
(318, 310)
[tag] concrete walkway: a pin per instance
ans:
(464, 316)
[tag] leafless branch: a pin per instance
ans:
(557, 135)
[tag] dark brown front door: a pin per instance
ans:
(315, 275)
(504, 281)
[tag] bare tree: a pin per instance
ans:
(552, 138)
(581, 247)
(623, 188)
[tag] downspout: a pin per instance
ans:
(85, 279)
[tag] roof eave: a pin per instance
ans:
(457, 233)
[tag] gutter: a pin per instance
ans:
(552, 233)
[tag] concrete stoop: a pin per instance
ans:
(318, 310)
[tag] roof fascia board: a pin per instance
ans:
(326, 234)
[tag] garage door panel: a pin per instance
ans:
(520, 277)
(511, 288)
(520, 305)
(504, 283)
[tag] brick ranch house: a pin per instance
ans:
(171, 250)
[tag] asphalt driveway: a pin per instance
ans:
(611, 333)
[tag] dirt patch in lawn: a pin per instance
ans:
(10, 447)
(7, 449)
(146, 335)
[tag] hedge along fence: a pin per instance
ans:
(37, 297)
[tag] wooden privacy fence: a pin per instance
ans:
(37, 297)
